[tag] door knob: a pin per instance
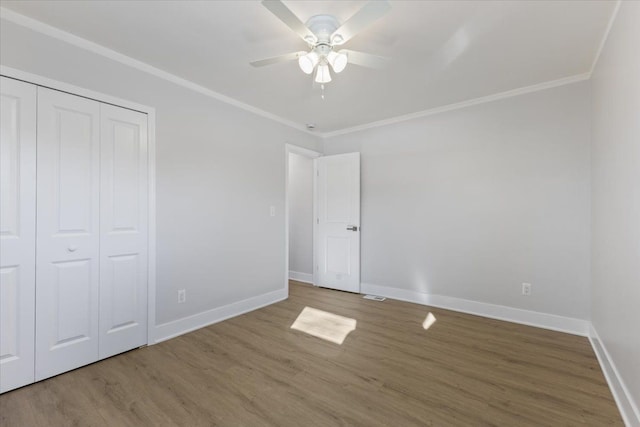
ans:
(72, 248)
(352, 228)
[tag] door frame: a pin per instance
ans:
(311, 154)
(46, 82)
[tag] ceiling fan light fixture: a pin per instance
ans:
(308, 62)
(324, 34)
(323, 75)
(338, 60)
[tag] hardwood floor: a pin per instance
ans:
(254, 370)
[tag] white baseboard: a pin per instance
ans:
(516, 315)
(626, 405)
(178, 327)
(301, 277)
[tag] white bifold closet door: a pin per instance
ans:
(123, 230)
(91, 232)
(17, 232)
(68, 227)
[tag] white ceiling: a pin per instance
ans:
(443, 52)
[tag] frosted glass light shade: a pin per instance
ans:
(308, 62)
(323, 75)
(337, 60)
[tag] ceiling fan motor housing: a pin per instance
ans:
(323, 26)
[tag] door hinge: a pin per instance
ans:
(317, 220)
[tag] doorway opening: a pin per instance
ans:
(299, 214)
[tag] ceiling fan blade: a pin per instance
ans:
(282, 58)
(369, 13)
(366, 59)
(283, 13)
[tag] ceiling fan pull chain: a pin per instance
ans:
(322, 92)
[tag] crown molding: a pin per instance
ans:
(96, 48)
(458, 105)
(605, 36)
(85, 44)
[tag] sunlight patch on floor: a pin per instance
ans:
(324, 325)
(428, 321)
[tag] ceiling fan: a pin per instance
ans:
(324, 35)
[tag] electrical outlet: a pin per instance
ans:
(272, 210)
(526, 289)
(182, 296)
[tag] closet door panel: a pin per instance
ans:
(123, 230)
(67, 288)
(17, 232)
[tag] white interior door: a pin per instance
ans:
(123, 230)
(338, 222)
(67, 232)
(17, 232)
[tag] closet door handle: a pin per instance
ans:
(352, 228)
(72, 248)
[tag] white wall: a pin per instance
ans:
(615, 307)
(219, 169)
(300, 214)
(473, 202)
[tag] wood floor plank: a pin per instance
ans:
(254, 370)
